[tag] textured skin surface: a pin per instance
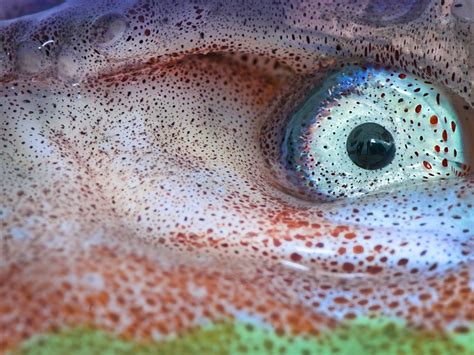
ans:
(140, 207)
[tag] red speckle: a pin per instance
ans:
(418, 108)
(374, 269)
(296, 257)
(402, 76)
(350, 235)
(437, 148)
(445, 162)
(445, 136)
(434, 120)
(453, 126)
(427, 165)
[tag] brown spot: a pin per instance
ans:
(340, 300)
(348, 267)
(374, 269)
(445, 136)
(350, 235)
(424, 297)
(402, 262)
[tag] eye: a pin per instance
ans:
(365, 128)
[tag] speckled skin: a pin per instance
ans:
(138, 195)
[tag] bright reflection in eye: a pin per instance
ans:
(365, 128)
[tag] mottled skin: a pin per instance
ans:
(140, 206)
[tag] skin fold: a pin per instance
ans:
(142, 209)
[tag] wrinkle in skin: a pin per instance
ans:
(139, 210)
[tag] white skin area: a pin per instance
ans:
(151, 145)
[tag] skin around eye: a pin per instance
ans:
(406, 126)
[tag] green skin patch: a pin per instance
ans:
(357, 337)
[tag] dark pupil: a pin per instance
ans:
(370, 146)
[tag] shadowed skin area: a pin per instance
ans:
(143, 208)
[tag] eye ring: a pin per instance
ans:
(313, 161)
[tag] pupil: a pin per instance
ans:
(370, 146)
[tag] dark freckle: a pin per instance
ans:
(348, 267)
(402, 262)
(295, 257)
